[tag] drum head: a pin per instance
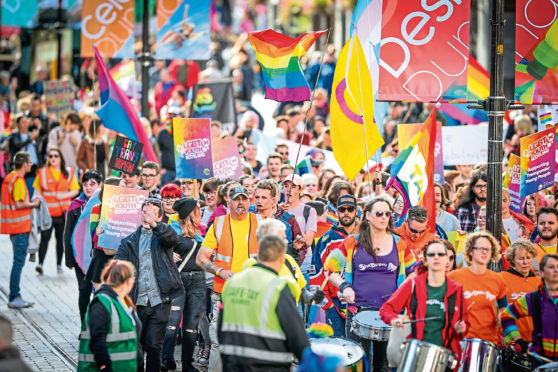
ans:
(370, 318)
(349, 351)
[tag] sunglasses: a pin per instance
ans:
(346, 209)
(52, 156)
(415, 231)
(382, 213)
(439, 254)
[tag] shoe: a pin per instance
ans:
(168, 365)
(39, 269)
(59, 269)
(32, 257)
(204, 357)
(19, 303)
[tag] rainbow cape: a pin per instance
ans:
(117, 112)
(82, 244)
(279, 56)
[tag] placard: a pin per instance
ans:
(120, 214)
(226, 159)
(215, 101)
(538, 161)
(59, 97)
(193, 156)
(512, 181)
(126, 155)
(465, 144)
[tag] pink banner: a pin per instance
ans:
(513, 184)
(226, 159)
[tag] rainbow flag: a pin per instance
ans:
(116, 111)
(125, 76)
(279, 56)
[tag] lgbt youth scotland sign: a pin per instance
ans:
(226, 159)
(538, 161)
(192, 148)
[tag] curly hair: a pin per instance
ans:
(471, 239)
(520, 243)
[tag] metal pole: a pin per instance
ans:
(58, 30)
(145, 59)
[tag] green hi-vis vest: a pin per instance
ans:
(122, 343)
(250, 327)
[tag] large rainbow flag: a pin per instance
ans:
(279, 56)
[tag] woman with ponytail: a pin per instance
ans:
(111, 328)
(378, 261)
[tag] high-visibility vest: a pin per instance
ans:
(50, 187)
(12, 220)
(250, 326)
(225, 245)
(122, 342)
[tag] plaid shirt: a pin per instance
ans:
(467, 216)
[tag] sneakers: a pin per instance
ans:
(204, 356)
(32, 257)
(19, 303)
(168, 365)
(39, 269)
(59, 269)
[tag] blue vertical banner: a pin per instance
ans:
(19, 12)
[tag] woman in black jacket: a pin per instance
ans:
(191, 306)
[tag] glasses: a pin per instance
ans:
(346, 209)
(187, 183)
(211, 193)
(482, 249)
(415, 231)
(439, 254)
(382, 213)
(169, 199)
(481, 187)
(52, 156)
(148, 175)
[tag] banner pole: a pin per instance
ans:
(145, 58)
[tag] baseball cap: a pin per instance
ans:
(346, 199)
(237, 191)
(294, 178)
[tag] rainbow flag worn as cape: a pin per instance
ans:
(117, 112)
(279, 56)
(82, 244)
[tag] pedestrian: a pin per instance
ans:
(150, 250)
(259, 329)
(468, 206)
(93, 151)
(170, 193)
(91, 183)
(67, 138)
(547, 227)
(15, 220)
(190, 307)
(10, 358)
(150, 179)
(109, 332)
(23, 139)
(415, 230)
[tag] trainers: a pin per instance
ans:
(19, 303)
(39, 269)
(204, 357)
(59, 269)
(32, 257)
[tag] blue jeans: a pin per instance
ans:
(19, 244)
(336, 322)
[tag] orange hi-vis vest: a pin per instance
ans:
(225, 244)
(49, 189)
(12, 220)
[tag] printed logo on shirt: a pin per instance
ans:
(515, 296)
(489, 296)
(373, 265)
(435, 302)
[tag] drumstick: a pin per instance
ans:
(421, 320)
(538, 356)
(325, 281)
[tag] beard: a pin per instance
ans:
(347, 221)
(480, 198)
(547, 235)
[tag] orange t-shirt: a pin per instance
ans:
(481, 294)
(517, 287)
(416, 246)
(543, 251)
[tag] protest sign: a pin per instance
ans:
(59, 97)
(125, 155)
(226, 159)
(109, 25)
(120, 214)
(512, 181)
(538, 161)
(465, 144)
(183, 29)
(192, 148)
(406, 132)
(215, 101)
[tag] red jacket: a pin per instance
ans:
(416, 287)
(161, 96)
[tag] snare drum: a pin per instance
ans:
(550, 367)
(424, 356)
(479, 356)
(350, 352)
(369, 325)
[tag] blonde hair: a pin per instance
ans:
(520, 243)
(471, 239)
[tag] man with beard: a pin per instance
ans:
(547, 226)
(333, 239)
(415, 230)
(232, 238)
(468, 208)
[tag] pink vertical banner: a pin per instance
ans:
(538, 161)
(512, 181)
(226, 159)
(192, 148)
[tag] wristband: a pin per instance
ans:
(218, 271)
(344, 286)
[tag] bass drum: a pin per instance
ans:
(424, 356)
(479, 356)
(550, 367)
(350, 352)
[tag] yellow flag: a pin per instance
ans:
(352, 110)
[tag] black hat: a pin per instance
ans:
(184, 207)
(237, 191)
(346, 199)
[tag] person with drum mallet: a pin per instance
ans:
(542, 306)
(434, 303)
(378, 261)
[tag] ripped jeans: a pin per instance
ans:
(189, 308)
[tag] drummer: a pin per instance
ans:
(430, 294)
(545, 319)
(484, 290)
(378, 261)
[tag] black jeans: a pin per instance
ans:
(58, 227)
(154, 320)
(85, 287)
(379, 348)
(190, 309)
